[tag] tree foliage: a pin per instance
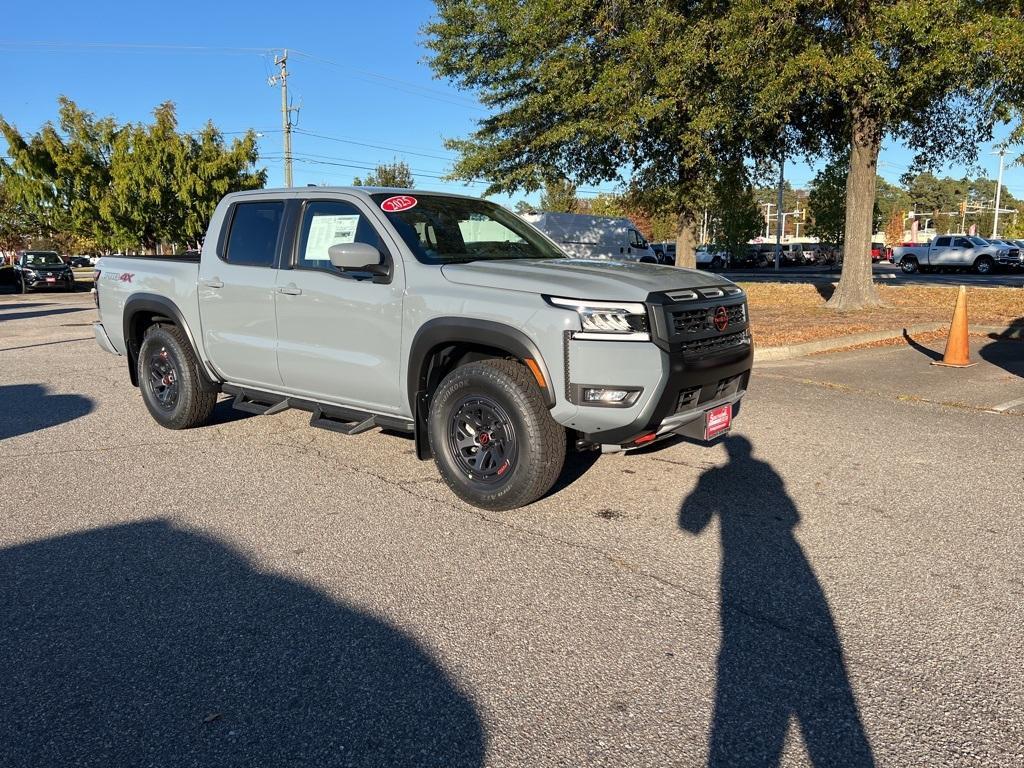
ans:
(666, 92)
(394, 174)
(95, 181)
(559, 196)
(739, 217)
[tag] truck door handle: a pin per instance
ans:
(290, 290)
(213, 282)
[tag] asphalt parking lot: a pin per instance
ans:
(841, 581)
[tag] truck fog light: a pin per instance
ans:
(610, 395)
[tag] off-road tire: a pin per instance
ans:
(539, 441)
(192, 404)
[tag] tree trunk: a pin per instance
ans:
(686, 240)
(856, 289)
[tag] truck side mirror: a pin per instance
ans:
(353, 256)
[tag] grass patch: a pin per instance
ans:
(787, 313)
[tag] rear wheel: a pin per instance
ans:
(716, 263)
(984, 265)
(493, 440)
(909, 264)
(169, 380)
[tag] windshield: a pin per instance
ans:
(43, 259)
(456, 230)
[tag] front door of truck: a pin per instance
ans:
(339, 334)
(236, 294)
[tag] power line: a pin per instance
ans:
(394, 148)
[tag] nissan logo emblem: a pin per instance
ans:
(721, 319)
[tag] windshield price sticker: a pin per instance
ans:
(398, 203)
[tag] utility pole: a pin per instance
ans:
(780, 220)
(286, 118)
(999, 191)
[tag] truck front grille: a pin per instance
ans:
(715, 343)
(692, 321)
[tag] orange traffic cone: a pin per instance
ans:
(958, 352)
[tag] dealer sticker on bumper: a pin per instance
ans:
(717, 421)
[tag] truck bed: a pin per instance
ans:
(121, 277)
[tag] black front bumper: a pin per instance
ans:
(706, 365)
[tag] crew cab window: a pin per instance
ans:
(942, 242)
(332, 222)
(963, 242)
(252, 240)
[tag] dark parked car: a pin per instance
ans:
(79, 261)
(42, 269)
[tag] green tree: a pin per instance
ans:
(827, 201)
(583, 90)
(522, 208)
(739, 219)
(126, 185)
(669, 90)
(559, 196)
(394, 174)
(847, 74)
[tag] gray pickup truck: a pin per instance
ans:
(956, 252)
(442, 316)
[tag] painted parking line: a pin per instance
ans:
(1007, 406)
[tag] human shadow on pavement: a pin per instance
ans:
(1007, 349)
(148, 644)
(780, 657)
(26, 408)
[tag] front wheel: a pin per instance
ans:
(984, 266)
(493, 439)
(716, 263)
(169, 380)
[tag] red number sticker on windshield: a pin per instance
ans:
(398, 203)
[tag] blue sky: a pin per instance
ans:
(363, 79)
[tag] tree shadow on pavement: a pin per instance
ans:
(780, 657)
(147, 644)
(26, 408)
(1007, 349)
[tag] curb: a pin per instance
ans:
(765, 354)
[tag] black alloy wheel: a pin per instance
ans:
(482, 439)
(163, 378)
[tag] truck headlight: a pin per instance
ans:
(610, 320)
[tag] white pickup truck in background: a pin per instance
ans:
(956, 252)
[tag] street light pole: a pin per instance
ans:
(999, 191)
(780, 220)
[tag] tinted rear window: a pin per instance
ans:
(253, 237)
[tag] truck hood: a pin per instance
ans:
(591, 279)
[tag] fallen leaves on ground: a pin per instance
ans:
(785, 313)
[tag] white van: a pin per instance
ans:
(594, 237)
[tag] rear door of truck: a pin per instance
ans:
(237, 284)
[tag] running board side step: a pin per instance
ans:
(324, 420)
(243, 402)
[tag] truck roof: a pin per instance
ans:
(316, 189)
